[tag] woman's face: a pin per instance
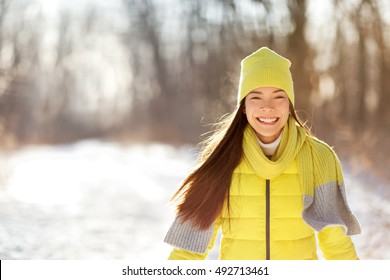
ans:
(267, 110)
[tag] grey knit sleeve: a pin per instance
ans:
(185, 235)
(329, 207)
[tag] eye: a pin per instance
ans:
(280, 97)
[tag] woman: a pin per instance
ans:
(263, 178)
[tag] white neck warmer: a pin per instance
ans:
(270, 149)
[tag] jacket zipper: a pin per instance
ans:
(267, 219)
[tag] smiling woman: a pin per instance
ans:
(267, 110)
(263, 178)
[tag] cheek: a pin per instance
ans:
(286, 109)
(248, 109)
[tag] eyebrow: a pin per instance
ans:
(258, 91)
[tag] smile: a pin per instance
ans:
(268, 120)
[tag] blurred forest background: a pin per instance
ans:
(162, 70)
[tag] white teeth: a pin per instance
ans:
(268, 120)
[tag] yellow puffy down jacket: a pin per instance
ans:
(265, 222)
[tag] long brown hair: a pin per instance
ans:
(203, 193)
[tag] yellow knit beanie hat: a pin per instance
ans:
(265, 68)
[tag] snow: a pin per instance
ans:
(108, 201)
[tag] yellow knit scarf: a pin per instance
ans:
(291, 143)
(320, 173)
(294, 144)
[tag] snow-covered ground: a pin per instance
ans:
(99, 200)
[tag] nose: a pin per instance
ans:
(267, 105)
